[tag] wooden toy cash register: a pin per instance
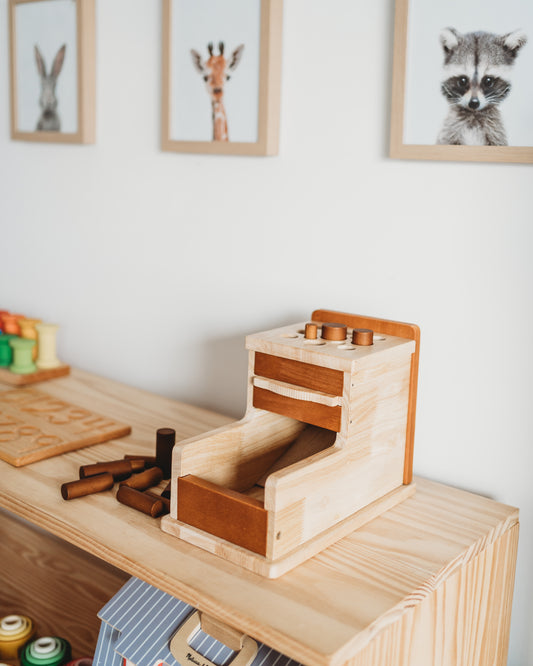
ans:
(326, 444)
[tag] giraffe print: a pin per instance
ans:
(215, 72)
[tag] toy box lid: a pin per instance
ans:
(139, 622)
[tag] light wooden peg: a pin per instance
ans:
(47, 358)
(311, 331)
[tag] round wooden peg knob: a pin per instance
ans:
(334, 332)
(363, 337)
(311, 331)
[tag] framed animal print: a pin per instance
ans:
(462, 80)
(52, 70)
(221, 76)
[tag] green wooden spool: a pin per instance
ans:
(22, 356)
(6, 353)
(46, 651)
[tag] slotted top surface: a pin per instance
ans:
(290, 342)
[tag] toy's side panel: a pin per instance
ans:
(364, 465)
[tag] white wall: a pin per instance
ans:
(157, 264)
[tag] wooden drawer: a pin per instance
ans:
(302, 374)
(313, 413)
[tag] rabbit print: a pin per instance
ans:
(49, 120)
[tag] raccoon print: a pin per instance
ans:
(477, 67)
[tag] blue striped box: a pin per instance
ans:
(139, 621)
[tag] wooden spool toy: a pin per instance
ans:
(44, 364)
(326, 444)
(10, 323)
(28, 330)
(47, 359)
(22, 356)
(6, 352)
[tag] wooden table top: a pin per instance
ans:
(325, 610)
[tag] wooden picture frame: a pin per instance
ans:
(414, 56)
(189, 110)
(33, 116)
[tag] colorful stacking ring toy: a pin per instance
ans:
(15, 632)
(46, 651)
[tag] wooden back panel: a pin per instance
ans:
(401, 330)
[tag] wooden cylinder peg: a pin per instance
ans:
(6, 353)
(46, 334)
(334, 332)
(148, 504)
(164, 443)
(311, 331)
(165, 500)
(140, 462)
(28, 330)
(88, 486)
(137, 464)
(119, 469)
(144, 480)
(363, 337)
(22, 356)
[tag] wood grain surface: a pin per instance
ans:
(338, 606)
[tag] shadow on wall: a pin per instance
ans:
(223, 373)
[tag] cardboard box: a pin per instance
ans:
(140, 621)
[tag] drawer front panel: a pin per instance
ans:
(301, 374)
(308, 412)
(224, 513)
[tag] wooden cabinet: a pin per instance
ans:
(428, 582)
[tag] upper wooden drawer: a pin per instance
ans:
(309, 376)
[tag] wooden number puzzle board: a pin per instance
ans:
(34, 426)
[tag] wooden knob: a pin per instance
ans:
(334, 332)
(311, 331)
(363, 337)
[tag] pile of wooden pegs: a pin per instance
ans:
(138, 477)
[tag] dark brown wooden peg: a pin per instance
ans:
(140, 462)
(144, 480)
(147, 504)
(165, 500)
(363, 337)
(120, 469)
(164, 443)
(334, 332)
(88, 486)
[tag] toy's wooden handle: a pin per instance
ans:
(292, 391)
(185, 654)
